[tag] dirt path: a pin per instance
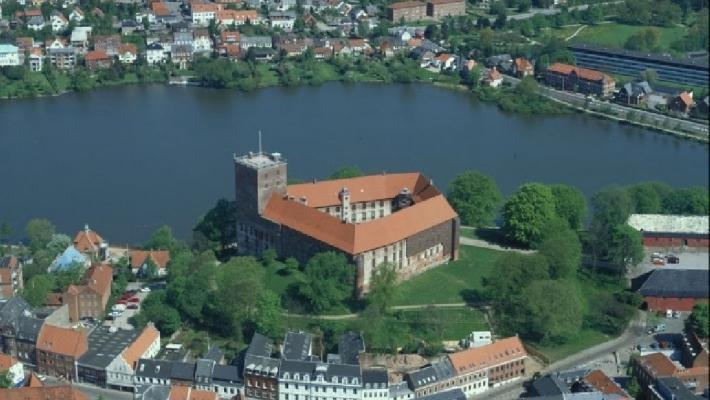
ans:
(394, 308)
(487, 245)
(575, 33)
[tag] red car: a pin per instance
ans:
(134, 300)
(121, 302)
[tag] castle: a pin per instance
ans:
(400, 219)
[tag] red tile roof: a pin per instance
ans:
(686, 98)
(406, 4)
(127, 48)
(436, 2)
(205, 7)
(161, 258)
(87, 240)
(98, 278)
(584, 73)
(96, 55)
(522, 64)
(500, 352)
(34, 381)
(139, 346)
(604, 384)
(188, 393)
(160, 9)
(657, 365)
(65, 341)
(42, 393)
(6, 361)
(357, 238)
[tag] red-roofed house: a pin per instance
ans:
(139, 260)
(683, 102)
(10, 276)
(89, 299)
(395, 218)
(493, 78)
(601, 382)
(97, 59)
(65, 392)
(90, 243)
(522, 67)
(13, 367)
(127, 53)
(583, 80)
(58, 349)
(178, 392)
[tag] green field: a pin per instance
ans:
(454, 282)
(585, 339)
(615, 35)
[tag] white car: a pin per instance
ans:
(41, 377)
(145, 289)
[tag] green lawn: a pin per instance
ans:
(451, 283)
(615, 35)
(585, 339)
(468, 232)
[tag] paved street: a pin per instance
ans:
(93, 392)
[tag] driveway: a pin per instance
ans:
(122, 322)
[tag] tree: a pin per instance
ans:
(161, 239)
(634, 387)
(292, 265)
(329, 280)
(382, 287)
(348, 171)
(268, 257)
(39, 232)
(68, 276)
(6, 379)
(514, 271)
(552, 311)
(526, 213)
(625, 247)
(501, 19)
(57, 244)
(688, 201)
(5, 232)
(527, 87)
(216, 231)
(647, 197)
(699, 320)
(563, 252)
(37, 288)
(570, 205)
(643, 40)
(610, 207)
(268, 317)
(475, 197)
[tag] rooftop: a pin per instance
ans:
(496, 353)
(682, 283)
(296, 346)
(669, 223)
(105, 346)
(261, 159)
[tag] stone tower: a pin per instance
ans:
(256, 177)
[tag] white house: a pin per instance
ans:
(80, 37)
(36, 23)
(16, 372)
(375, 384)
(282, 19)
(121, 371)
(155, 54)
(202, 43)
(203, 13)
(59, 21)
(36, 59)
(9, 55)
(140, 16)
(127, 53)
(76, 15)
(311, 379)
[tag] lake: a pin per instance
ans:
(127, 160)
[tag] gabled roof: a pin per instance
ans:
(96, 55)
(584, 73)
(127, 48)
(138, 348)
(600, 381)
(161, 258)
(487, 356)
(682, 283)
(686, 98)
(188, 393)
(657, 365)
(9, 262)
(522, 64)
(88, 240)
(64, 341)
(98, 278)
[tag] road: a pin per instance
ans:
(547, 11)
(92, 392)
(580, 101)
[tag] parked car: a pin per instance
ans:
(145, 289)
(133, 306)
(41, 377)
(134, 300)
(672, 259)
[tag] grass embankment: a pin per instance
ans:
(615, 35)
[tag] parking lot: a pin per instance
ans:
(687, 259)
(122, 321)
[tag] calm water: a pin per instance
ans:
(127, 160)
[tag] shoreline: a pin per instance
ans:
(443, 85)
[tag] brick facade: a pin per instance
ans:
(407, 11)
(674, 241)
(438, 9)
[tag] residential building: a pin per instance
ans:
(672, 231)
(76, 15)
(671, 388)
(141, 258)
(64, 392)
(438, 9)
(204, 375)
(226, 18)
(283, 20)
(375, 383)
(121, 371)
(675, 289)
(19, 329)
(400, 391)
(202, 42)
(397, 218)
(36, 59)
(694, 351)
(87, 241)
(634, 93)
(155, 54)
(260, 370)
(105, 346)
(97, 59)
(71, 257)
(580, 384)
(58, 350)
(181, 55)
(350, 346)
(577, 79)
(127, 53)
(80, 38)
(682, 103)
(687, 71)
(502, 362)
(89, 299)
(58, 21)
(311, 380)
(9, 55)
(493, 78)
(203, 13)
(297, 346)
(109, 44)
(152, 372)
(522, 68)
(262, 42)
(433, 378)
(407, 11)
(649, 368)
(13, 368)
(11, 280)
(36, 23)
(454, 394)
